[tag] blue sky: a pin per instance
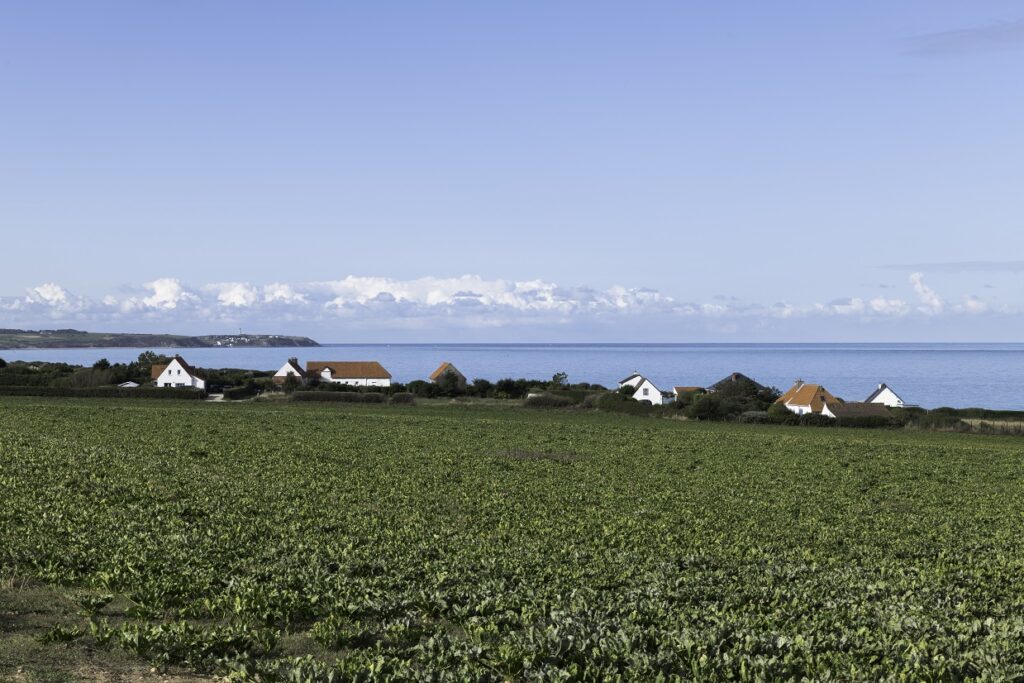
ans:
(529, 171)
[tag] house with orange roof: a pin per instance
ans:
(803, 398)
(356, 373)
(445, 369)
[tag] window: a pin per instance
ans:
(646, 391)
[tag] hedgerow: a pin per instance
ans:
(104, 392)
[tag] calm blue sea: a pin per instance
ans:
(930, 375)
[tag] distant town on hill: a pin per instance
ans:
(71, 339)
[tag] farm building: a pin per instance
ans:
(177, 373)
(290, 369)
(361, 373)
(803, 398)
(446, 369)
(885, 396)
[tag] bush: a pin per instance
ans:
(817, 420)
(247, 390)
(423, 389)
(712, 407)
(549, 401)
(404, 397)
(755, 417)
(614, 402)
(780, 414)
(866, 421)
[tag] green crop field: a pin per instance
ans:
(289, 541)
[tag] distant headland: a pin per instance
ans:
(78, 339)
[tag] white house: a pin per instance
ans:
(290, 369)
(646, 391)
(368, 373)
(177, 373)
(885, 396)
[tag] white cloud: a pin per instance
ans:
(166, 293)
(464, 302)
(238, 294)
(278, 292)
(931, 303)
(53, 295)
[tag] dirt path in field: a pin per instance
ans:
(29, 609)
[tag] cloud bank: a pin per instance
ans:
(995, 36)
(453, 306)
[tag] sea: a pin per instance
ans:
(929, 375)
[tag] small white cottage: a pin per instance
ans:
(177, 373)
(368, 373)
(290, 369)
(644, 390)
(886, 396)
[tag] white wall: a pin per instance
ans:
(889, 398)
(286, 370)
(652, 395)
(325, 375)
(799, 410)
(175, 375)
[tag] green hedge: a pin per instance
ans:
(104, 392)
(339, 396)
(549, 401)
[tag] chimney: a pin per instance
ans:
(293, 360)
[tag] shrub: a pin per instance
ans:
(614, 402)
(423, 389)
(817, 420)
(712, 407)
(755, 417)
(247, 390)
(549, 401)
(866, 421)
(780, 414)
(403, 397)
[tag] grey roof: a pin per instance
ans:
(732, 379)
(855, 409)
